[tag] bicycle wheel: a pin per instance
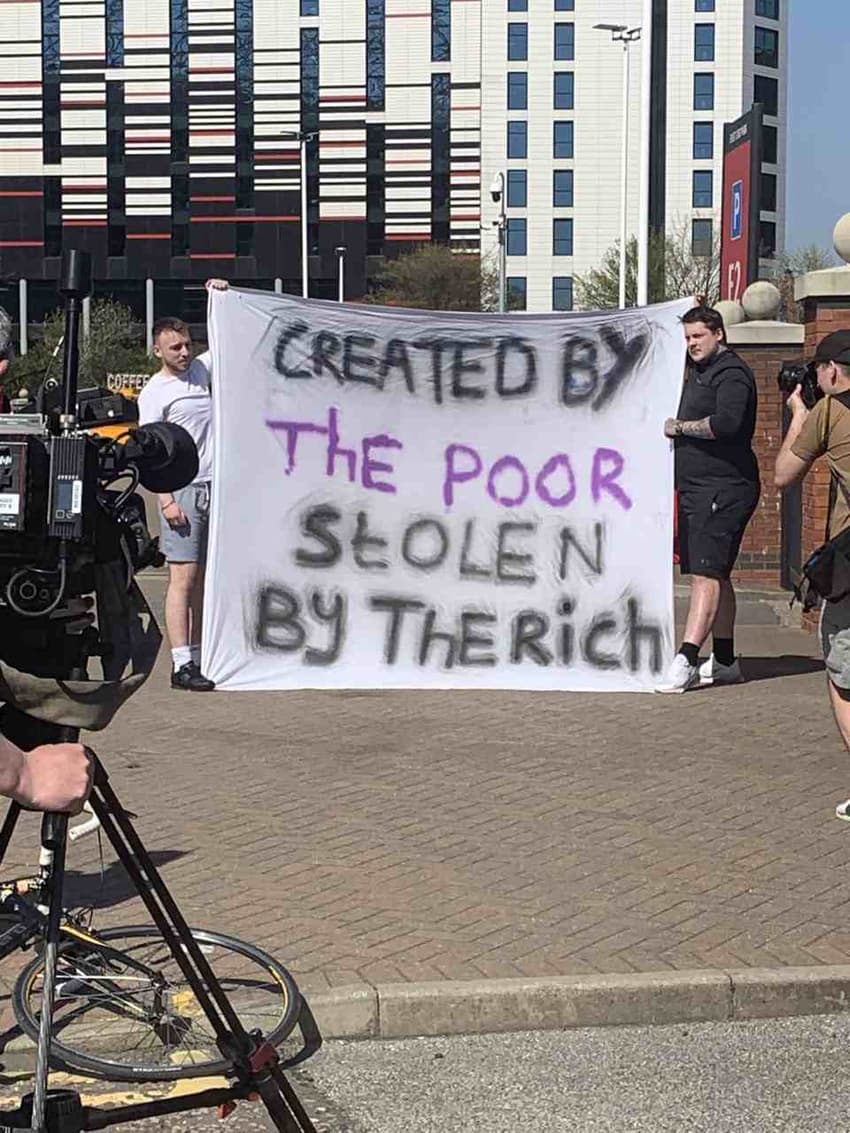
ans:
(125, 1011)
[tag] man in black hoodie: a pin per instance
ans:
(717, 478)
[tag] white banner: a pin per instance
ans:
(419, 499)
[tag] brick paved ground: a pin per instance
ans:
(408, 836)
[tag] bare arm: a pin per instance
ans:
(700, 429)
(789, 467)
(51, 777)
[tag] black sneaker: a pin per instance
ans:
(190, 678)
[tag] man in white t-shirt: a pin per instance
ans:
(180, 392)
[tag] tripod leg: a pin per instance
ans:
(54, 830)
(277, 1094)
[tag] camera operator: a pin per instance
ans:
(825, 431)
(53, 776)
(717, 479)
(180, 393)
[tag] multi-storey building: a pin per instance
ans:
(162, 135)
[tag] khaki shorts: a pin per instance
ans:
(835, 641)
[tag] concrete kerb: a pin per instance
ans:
(397, 1010)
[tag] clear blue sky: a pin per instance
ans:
(818, 120)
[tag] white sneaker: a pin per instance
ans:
(711, 672)
(681, 676)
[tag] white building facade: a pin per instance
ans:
(163, 136)
(552, 120)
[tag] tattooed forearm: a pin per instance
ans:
(699, 429)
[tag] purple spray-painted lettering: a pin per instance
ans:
(501, 464)
(455, 475)
(605, 480)
(292, 429)
(560, 459)
(335, 450)
(371, 466)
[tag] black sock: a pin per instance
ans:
(691, 651)
(724, 650)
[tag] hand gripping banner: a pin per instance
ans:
(420, 499)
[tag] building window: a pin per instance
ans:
(562, 140)
(517, 189)
(517, 5)
(769, 141)
(703, 92)
(565, 5)
(703, 195)
(375, 54)
(518, 139)
(704, 5)
(767, 239)
(564, 90)
(309, 7)
(701, 237)
(517, 41)
(516, 238)
(562, 293)
(441, 31)
(562, 237)
(704, 43)
(766, 91)
(768, 9)
(565, 41)
(517, 289)
(517, 90)
(562, 189)
(703, 140)
(768, 192)
(766, 47)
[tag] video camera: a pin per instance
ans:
(793, 374)
(68, 498)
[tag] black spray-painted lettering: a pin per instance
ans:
(429, 534)
(280, 626)
(471, 640)
(593, 366)
(592, 562)
(509, 563)
(314, 524)
(361, 541)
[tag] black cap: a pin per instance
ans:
(834, 348)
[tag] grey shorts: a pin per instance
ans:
(835, 641)
(188, 544)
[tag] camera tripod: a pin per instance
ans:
(256, 1068)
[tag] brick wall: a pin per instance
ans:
(759, 563)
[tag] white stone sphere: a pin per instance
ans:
(731, 311)
(841, 238)
(761, 300)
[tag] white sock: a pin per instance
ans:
(181, 656)
(195, 650)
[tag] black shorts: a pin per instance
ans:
(712, 522)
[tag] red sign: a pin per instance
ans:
(741, 205)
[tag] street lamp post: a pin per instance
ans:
(303, 137)
(645, 144)
(340, 272)
(621, 33)
(497, 192)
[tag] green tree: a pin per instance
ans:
(434, 278)
(674, 271)
(788, 265)
(114, 346)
